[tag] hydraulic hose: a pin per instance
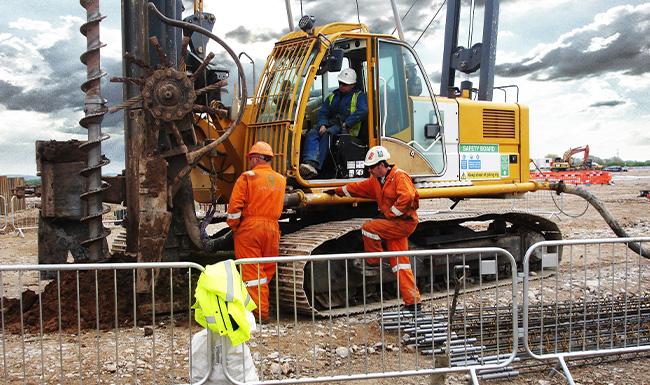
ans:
(560, 187)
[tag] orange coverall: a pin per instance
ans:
(398, 201)
(253, 212)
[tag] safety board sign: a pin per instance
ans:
(482, 161)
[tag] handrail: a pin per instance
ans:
(242, 53)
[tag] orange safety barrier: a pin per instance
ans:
(574, 177)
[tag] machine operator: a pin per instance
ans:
(343, 111)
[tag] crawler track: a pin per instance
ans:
(296, 295)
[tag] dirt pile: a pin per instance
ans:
(94, 305)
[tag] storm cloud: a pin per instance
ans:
(53, 80)
(609, 103)
(245, 35)
(377, 14)
(616, 41)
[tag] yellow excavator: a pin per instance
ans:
(185, 144)
(453, 147)
(566, 162)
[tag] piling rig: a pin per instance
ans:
(183, 145)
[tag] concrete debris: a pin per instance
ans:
(287, 368)
(276, 368)
(342, 352)
(109, 367)
(410, 348)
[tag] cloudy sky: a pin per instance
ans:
(583, 67)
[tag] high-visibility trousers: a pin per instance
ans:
(257, 238)
(394, 233)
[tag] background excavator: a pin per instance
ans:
(185, 145)
(566, 163)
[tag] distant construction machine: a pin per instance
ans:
(566, 163)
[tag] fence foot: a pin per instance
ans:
(19, 233)
(565, 371)
(474, 377)
(441, 361)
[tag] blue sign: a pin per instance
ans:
(475, 164)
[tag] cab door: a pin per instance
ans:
(409, 123)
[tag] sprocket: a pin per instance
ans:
(168, 94)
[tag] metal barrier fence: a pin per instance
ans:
(336, 318)
(335, 321)
(19, 228)
(596, 302)
(4, 214)
(90, 325)
(9, 215)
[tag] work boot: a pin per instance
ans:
(307, 170)
(413, 308)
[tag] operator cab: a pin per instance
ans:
(402, 115)
(346, 150)
(302, 71)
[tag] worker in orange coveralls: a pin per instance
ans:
(398, 201)
(253, 212)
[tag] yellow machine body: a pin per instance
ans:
(480, 148)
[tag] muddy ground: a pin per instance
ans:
(144, 350)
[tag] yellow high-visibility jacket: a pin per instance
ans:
(222, 301)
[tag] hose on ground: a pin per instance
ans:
(560, 187)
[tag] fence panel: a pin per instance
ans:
(3, 213)
(335, 321)
(8, 187)
(87, 324)
(596, 302)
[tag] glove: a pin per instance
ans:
(330, 192)
(209, 215)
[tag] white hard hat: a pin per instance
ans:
(376, 155)
(348, 76)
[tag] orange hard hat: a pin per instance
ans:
(261, 148)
